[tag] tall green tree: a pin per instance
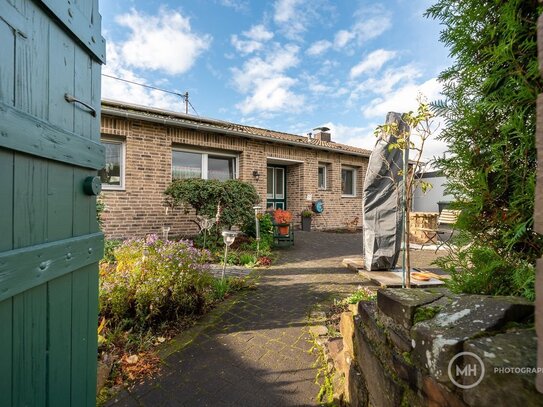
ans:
(490, 111)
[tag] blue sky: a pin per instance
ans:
(287, 65)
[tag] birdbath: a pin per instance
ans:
(257, 229)
(228, 237)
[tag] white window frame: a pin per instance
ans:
(108, 187)
(205, 157)
(354, 171)
(325, 174)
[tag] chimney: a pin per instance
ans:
(322, 133)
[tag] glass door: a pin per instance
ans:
(276, 188)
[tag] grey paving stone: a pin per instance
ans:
(257, 354)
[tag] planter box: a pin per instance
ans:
(306, 224)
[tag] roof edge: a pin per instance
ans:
(171, 118)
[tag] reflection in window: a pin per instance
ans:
(322, 177)
(269, 177)
(347, 181)
(221, 168)
(192, 164)
(186, 165)
(112, 174)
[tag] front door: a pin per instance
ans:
(276, 197)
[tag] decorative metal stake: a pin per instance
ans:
(228, 237)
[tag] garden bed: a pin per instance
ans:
(150, 291)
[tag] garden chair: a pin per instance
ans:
(444, 230)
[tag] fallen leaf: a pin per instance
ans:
(132, 360)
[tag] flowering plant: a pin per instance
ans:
(282, 216)
(154, 280)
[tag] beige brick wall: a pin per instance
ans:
(139, 209)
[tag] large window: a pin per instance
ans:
(348, 181)
(322, 176)
(112, 175)
(192, 164)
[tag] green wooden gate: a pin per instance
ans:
(51, 52)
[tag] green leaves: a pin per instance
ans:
(235, 198)
(489, 108)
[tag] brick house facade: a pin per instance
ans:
(144, 146)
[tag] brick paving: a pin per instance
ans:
(256, 353)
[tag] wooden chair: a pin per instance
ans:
(444, 230)
(282, 239)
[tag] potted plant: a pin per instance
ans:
(306, 220)
(282, 219)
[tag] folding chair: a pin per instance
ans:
(444, 231)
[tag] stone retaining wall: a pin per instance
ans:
(397, 350)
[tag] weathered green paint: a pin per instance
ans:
(49, 239)
(26, 267)
(6, 358)
(6, 203)
(25, 133)
(60, 328)
(78, 22)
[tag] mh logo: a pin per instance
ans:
(466, 370)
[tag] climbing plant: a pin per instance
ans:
(490, 112)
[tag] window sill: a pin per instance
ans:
(110, 188)
(348, 196)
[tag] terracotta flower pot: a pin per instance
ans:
(283, 230)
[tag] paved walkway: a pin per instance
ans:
(257, 354)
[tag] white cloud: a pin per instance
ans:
(318, 47)
(255, 39)
(272, 94)
(362, 137)
(402, 99)
(238, 5)
(385, 83)
(161, 42)
(259, 33)
(343, 37)
(372, 27)
(372, 62)
(131, 93)
(285, 10)
(371, 23)
(265, 82)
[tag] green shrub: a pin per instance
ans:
(226, 286)
(109, 250)
(266, 232)
(490, 93)
(235, 198)
(247, 259)
(480, 270)
(153, 281)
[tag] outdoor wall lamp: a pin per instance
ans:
(256, 175)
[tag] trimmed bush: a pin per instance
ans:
(235, 199)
